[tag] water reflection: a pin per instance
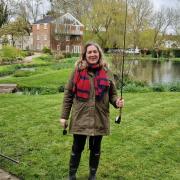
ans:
(155, 71)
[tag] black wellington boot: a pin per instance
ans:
(73, 165)
(93, 165)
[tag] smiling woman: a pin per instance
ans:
(89, 91)
(92, 55)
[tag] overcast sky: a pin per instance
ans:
(166, 3)
(157, 3)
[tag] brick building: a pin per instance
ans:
(59, 34)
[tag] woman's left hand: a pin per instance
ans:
(120, 103)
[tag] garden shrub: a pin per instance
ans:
(165, 53)
(158, 88)
(27, 53)
(75, 54)
(176, 52)
(46, 50)
(145, 52)
(38, 90)
(7, 71)
(23, 73)
(134, 88)
(10, 52)
(61, 89)
(47, 58)
(67, 55)
(174, 87)
(156, 53)
(58, 56)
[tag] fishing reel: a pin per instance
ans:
(118, 119)
(64, 130)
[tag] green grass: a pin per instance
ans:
(143, 146)
(50, 79)
(42, 64)
(47, 77)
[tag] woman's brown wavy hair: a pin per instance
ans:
(82, 62)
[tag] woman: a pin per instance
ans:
(89, 92)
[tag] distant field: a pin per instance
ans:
(144, 146)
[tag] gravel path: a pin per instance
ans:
(6, 176)
(28, 59)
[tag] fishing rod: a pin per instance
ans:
(8, 158)
(118, 118)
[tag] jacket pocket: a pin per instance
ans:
(79, 115)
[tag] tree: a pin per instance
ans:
(104, 22)
(3, 13)
(146, 39)
(30, 9)
(18, 28)
(161, 21)
(176, 22)
(140, 12)
(76, 7)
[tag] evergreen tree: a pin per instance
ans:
(3, 13)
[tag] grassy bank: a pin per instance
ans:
(45, 75)
(143, 146)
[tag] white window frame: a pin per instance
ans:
(45, 37)
(78, 28)
(38, 26)
(45, 25)
(67, 38)
(38, 46)
(58, 47)
(41, 46)
(76, 49)
(38, 37)
(67, 48)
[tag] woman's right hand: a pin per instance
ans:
(63, 123)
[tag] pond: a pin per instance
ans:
(155, 71)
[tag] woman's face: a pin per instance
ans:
(92, 54)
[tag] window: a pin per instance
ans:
(77, 38)
(38, 26)
(38, 46)
(45, 26)
(76, 49)
(58, 47)
(67, 48)
(55, 30)
(45, 37)
(78, 28)
(67, 28)
(67, 38)
(41, 46)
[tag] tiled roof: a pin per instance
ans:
(46, 19)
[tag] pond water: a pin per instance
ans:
(155, 71)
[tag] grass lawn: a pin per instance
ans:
(51, 79)
(143, 146)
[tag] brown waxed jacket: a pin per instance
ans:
(90, 117)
